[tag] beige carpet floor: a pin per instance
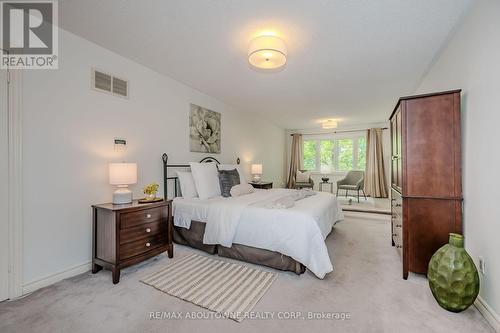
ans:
(372, 205)
(366, 283)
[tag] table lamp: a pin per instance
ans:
(256, 172)
(122, 175)
(326, 170)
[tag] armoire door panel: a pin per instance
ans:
(457, 140)
(429, 223)
(394, 149)
(394, 170)
(399, 127)
(430, 139)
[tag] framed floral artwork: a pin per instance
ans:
(204, 130)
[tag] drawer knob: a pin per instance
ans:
(148, 216)
(398, 226)
(148, 244)
(148, 230)
(398, 205)
(398, 246)
(394, 234)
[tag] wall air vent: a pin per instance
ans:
(109, 83)
(120, 87)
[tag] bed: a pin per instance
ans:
(245, 228)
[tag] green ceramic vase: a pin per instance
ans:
(452, 275)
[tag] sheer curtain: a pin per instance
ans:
(375, 180)
(296, 157)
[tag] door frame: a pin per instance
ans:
(14, 205)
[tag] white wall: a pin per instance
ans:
(68, 132)
(335, 176)
(4, 190)
(471, 61)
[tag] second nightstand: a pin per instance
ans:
(263, 185)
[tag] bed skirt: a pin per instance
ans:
(193, 237)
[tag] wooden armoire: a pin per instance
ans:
(426, 177)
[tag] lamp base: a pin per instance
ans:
(256, 178)
(122, 196)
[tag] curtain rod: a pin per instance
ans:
(335, 132)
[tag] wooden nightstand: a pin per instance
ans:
(123, 235)
(263, 185)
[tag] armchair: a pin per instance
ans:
(300, 185)
(354, 181)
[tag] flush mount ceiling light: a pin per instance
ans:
(329, 124)
(267, 52)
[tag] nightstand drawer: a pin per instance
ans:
(142, 245)
(144, 230)
(139, 217)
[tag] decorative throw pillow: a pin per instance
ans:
(241, 189)
(186, 181)
(228, 179)
(206, 179)
(238, 167)
(302, 177)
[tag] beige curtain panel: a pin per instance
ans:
(375, 180)
(296, 157)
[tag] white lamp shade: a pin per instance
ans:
(256, 169)
(122, 173)
(267, 52)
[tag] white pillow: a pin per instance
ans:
(232, 167)
(302, 177)
(241, 189)
(188, 188)
(206, 179)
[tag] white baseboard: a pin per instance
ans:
(53, 278)
(488, 313)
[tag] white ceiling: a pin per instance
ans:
(349, 60)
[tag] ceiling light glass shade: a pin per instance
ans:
(267, 52)
(329, 124)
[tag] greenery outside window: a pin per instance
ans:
(336, 153)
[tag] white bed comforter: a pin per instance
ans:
(298, 231)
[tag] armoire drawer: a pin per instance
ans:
(397, 203)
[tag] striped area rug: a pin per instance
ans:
(226, 288)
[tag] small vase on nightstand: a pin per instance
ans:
(150, 196)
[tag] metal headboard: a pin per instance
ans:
(166, 166)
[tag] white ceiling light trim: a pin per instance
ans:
(267, 52)
(329, 124)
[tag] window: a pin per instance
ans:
(335, 153)
(309, 155)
